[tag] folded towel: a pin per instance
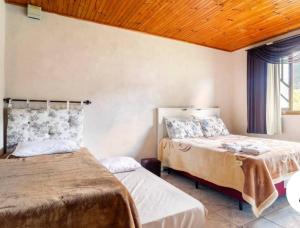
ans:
(232, 147)
(246, 147)
(255, 149)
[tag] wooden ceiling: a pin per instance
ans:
(223, 24)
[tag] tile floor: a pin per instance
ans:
(223, 211)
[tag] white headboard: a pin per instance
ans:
(180, 112)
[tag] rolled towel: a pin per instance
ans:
(255, 149)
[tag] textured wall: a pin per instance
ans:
(126, 75)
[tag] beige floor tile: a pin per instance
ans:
(216, 221)
(261, 223)
(212, 200)
(214, 207)
(286, 217)
(280, 203)
(180, 182)
(236, 216)
(223, 210)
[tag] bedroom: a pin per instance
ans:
(128, 75)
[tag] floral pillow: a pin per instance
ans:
(38, 125)
(26, 125)
(193, 129)
(76, 125)
(213, 126)
(17, 126)
(223, 127)
(59, 124)
(183, 128)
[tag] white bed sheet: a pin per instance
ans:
(160, 204)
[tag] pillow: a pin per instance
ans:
(76, 125)
(120, 164)
(17, 126)
(59, 126)
(193, 129)
(213, 126)
(224, 130)
(38, 125)
(183, 128)
(27, 149)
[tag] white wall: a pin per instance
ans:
(239, 92)
(291, 123)
(223, 89)
(126, 75)
(2, 51)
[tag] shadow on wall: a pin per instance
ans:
(149, 146)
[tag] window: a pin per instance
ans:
(290, 88)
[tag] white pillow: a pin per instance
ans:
(120, 164)
(27, 149)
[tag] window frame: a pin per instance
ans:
(290, 110)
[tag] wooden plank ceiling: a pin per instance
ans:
(223, 24)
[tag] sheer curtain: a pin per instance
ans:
(273, 109)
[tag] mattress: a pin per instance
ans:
(200, 157)
(254, 176)
(160, 204)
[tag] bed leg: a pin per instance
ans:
(241, 205)
(167, 169)
(196, 184)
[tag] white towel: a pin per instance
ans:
(255, 149)
(232, 147)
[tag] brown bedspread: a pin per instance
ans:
(66, 190)
(265, 170)
(254, 176)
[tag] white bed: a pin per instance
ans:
(160, 204)
(240, 172)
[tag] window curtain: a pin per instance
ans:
(262, 112)
(273, 111)
(256, 89)
(280, 52)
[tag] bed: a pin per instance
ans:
(258, 180)
(63, 190)
(50, 181)
(160, 204)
